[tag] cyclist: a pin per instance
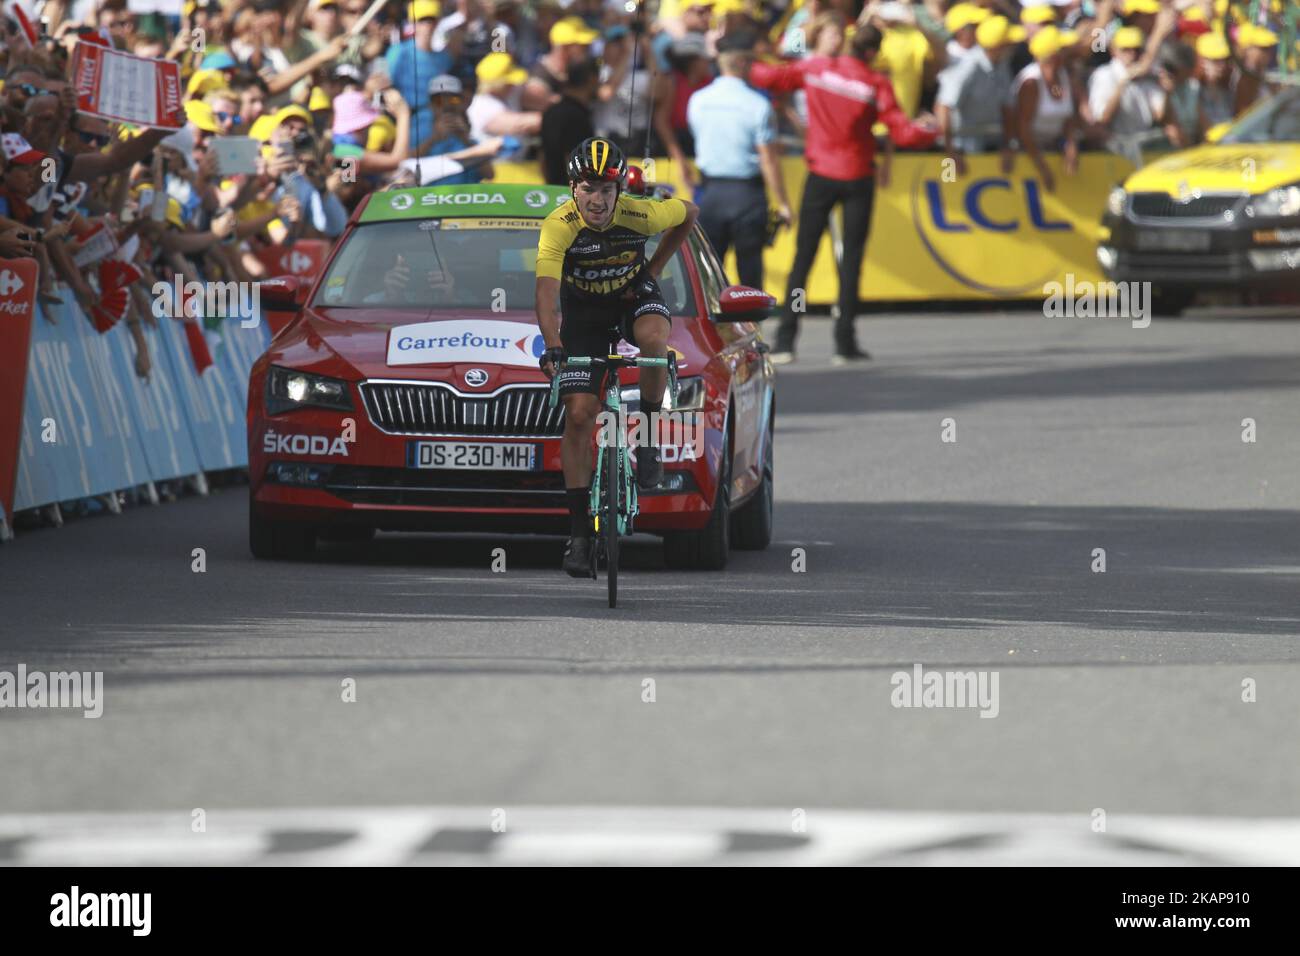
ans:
(592, 269)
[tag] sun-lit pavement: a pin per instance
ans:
(1120, 691)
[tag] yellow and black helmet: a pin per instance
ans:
(598, 160)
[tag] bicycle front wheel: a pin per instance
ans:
(613, 489)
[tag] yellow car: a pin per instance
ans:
(1225, 215)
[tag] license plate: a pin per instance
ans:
(1173, 241)
(474, 455)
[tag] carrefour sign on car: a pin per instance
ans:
(427, 343)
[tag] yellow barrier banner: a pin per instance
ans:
(935, 235)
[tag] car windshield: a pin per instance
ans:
(454, 264)
(1275, 121)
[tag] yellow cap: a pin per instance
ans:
(500, 68)
(173, 214)
(319, 101)
(263, 127)
(1046, 43)
(723, 7)
(1194, 15)
(572, 31)
(1251, 35)
(964, 15)
(1141, 6)
(201, 115)
(993, 32)
(1212, 46)
(289, 112)
(1017, 33)
(1040, 14)
(204, 81)
(1128, 38)
(424, 10)
(382, 133)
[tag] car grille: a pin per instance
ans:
(425, 408)
(1163, 206)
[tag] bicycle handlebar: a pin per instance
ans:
(615, 361)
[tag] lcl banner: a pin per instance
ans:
(18, 280)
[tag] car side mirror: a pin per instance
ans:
(742, 303)
(285, 292)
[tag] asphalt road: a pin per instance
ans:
(1119, 691)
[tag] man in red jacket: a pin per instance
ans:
(845, 99)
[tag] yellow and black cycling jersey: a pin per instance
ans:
(599, 263)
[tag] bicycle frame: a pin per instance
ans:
(613, 403)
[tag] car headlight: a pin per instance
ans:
(1116, 201)
(287, 389)
(690, 396)
(1276, 203)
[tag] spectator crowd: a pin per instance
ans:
(311, 104)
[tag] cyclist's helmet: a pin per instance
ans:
(599, 161)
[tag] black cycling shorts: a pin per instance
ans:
(593, 328)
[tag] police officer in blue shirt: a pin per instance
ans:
(736, 152)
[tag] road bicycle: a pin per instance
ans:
(613, 503)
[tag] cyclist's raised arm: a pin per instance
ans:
(675, 232)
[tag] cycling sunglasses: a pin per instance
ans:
(233, 118)
(28, 89)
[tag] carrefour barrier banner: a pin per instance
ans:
(160, 418)
(986, 235)
(18, 278)
(213, 402)
(91, 425)
(79, 435)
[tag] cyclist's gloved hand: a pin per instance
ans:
(641, 283)
(550, 359)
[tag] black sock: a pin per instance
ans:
(579, 522)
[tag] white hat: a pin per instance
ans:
(893, 10)
(183, 142)
(446, 83)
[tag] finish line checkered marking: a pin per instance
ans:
(639, 836)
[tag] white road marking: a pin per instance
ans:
(639, 835)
